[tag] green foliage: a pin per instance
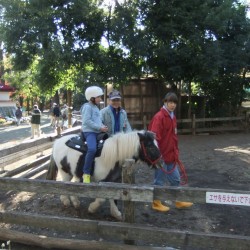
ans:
(61, 33)
(206, 43)
(2, 121)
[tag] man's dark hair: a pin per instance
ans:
(171, 97)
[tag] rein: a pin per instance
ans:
(184, 178)
(146, 155)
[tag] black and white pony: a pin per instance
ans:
(66, 163)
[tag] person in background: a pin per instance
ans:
(91, 126)
(164, 125)
(18, 115)
(114, 116)
(64, 112)
(56, 114)
(35, 122)
(52, 118)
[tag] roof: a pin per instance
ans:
(6, 88)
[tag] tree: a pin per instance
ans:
(60, 33)
(196, 41)
(192, 41)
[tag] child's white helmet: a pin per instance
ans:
(93, 91)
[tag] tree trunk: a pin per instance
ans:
(189, 100)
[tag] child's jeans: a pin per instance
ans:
(161, 177)
(91, 142)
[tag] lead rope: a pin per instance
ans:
(183, 174)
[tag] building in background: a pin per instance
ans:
(7, 106)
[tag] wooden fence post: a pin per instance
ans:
(128, 176)
(247, 120)
(58, 130)
(193, 124)
(69, 97)
(145, 122)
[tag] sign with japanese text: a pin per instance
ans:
(228, 198)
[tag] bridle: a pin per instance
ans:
(152, 162)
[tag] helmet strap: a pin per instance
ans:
(92, 99)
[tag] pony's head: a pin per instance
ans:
(149, 151)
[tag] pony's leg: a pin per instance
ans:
(62, 176)
(93, 207)
(114, 210)
(74, 199)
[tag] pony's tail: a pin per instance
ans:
(52, 170)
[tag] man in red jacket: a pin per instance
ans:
(164, 125)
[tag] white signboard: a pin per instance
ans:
(228, 198)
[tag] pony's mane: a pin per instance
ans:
(121, 146)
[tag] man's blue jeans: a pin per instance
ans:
(161, 177)
(92, 147)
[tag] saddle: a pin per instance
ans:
(79, 143)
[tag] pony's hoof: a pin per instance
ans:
(66, 204)
(91, 210)
(118, 216)
(76, 205)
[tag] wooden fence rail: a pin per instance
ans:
(119, 191)
(193, 128)
(118, 231)
(20, 151)
(26, 166)
(121, 231)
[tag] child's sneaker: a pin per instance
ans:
(86, 178)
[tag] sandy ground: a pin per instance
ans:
(212, 161)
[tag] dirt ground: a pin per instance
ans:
(212, 161)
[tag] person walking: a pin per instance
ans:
(114, 116)
(164, 125)
(18, 115)
(64, 112)
(51, 114)
(91, 126)
(56, 114)
(35, 122)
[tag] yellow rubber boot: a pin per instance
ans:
(86, 178)
(183, 204)
(157, 205)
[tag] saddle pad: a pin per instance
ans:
(77, 143)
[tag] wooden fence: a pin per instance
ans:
(112, 230)
(12, 154)
(199, 125)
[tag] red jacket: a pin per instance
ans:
(165, 129)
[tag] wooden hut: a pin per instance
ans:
(142, 98)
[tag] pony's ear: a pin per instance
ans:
(153, 134)
(141, 136)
